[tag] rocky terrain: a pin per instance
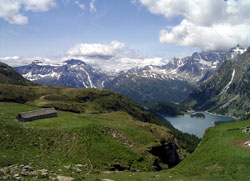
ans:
(227, 92)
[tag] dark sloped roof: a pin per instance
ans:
(40, 112)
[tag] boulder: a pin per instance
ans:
(247, 143)
(63, 178)
(28, 168)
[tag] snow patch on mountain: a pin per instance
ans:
(89, 80)
(229, 83)
(34, 77)
(74, 73)
(196, 68)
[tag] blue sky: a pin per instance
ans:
(53, 32)
(146, 29)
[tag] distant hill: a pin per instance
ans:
(9, 76)
(150, 89)
(227, 92)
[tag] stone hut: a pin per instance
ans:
(38, 114)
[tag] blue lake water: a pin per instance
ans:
(194, 125)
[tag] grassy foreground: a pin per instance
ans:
(99, 145)
(221, 155)
(99, 142)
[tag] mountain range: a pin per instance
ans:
(72, 73)
(171, 82)
(227, 92)
(117, 138)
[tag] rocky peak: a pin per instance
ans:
(74, 62)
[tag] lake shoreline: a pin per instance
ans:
(188, 113)
(220, 115)
(215, 114)
(196, 126)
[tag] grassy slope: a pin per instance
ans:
(220, 156)
(98, 140)
(74, 100)
(9, 76)
(91, 101)
(87, 139)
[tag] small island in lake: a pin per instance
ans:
(198, 115)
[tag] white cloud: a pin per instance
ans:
(113, 57)
(80, 5)
(97, 50)
(11, 10)
(16, 61)
(206, 24)
(92, 7)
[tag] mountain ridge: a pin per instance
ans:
(227, 92)
(72, 73)
(171, 82)
(9, 75)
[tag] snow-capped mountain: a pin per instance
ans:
(196, 68)
(227, 92)
(173, 81)
(73, 73)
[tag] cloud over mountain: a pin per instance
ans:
(115, 56)
(98, 50)
(209, 25)
(112, 57)
(16, 61)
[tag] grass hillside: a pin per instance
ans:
(106, 141)
(92, 101)
(102, 130)
(221, 155)
(9, 76)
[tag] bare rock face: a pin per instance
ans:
(227, 92)
(167, 154)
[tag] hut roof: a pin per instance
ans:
(40, 112)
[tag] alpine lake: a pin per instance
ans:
(197, 126)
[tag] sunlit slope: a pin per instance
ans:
(106, 141)
(221, 155)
